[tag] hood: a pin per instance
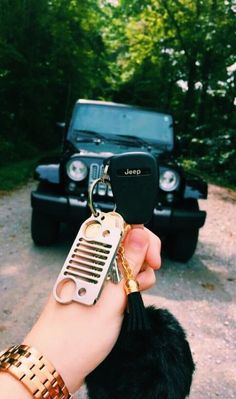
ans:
(106, 149)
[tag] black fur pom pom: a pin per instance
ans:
(152, 364)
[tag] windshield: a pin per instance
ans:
(113, 120)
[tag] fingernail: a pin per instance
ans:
(137, 238)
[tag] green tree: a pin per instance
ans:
(48, 58)
(171, 54)
(174, 55)
(159, 43)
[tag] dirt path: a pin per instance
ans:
(201, 293)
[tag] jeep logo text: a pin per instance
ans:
(132, 172)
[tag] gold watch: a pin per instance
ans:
(36, 373)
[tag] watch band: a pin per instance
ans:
(34, 371)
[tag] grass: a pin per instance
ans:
(17, 174)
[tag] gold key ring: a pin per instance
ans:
(90, 194)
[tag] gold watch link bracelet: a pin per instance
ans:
(35, 372)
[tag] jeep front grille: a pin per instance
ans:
(95, 172)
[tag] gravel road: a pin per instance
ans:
(201, 293)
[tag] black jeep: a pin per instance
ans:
(97, 131)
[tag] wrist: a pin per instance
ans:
(35, 372)
(12, 388)
(75, 337)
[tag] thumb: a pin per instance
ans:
(135, 246)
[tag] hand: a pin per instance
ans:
(75, 337)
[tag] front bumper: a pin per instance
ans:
(72, 209)
(166, 220)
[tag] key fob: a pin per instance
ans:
(134, 183)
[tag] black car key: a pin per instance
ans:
(134, 183)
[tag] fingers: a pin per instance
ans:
(146, 279)
(136, 246)
(142, 251)
(153, 256)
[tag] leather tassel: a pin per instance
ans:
(135, 318)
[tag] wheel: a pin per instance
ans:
(181, 245)
(44, 230)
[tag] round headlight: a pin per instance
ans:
(76, 170)
(169, 180)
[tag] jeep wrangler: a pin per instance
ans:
(97, 131)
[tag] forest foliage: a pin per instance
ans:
(174, 55)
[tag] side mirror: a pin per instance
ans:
(61, 131)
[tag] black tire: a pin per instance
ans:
(44, 230)
(181, 245)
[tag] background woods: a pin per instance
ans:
(50, 52)
(173, 55)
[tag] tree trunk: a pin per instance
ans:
(205, 72)
(189, 102)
